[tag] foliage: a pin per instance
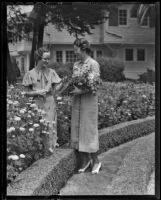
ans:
(147, 77)
(118, 102)
(27, 132)
(62, 69)
(111, 70)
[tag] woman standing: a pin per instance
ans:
(41, 83)
(84, 128)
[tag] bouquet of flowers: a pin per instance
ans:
(88, 81)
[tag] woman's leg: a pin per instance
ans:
(94, 157)
(96, 163)
(84, 158)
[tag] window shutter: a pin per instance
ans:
(113, 17)
(133, 12)
(152, 13)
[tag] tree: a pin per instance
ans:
(78, 18)
(17, 28)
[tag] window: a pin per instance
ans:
(141, 54)
(70, 57)
(123, 17)
(99, 54)
(145, 21)
(59, 56)
(129, 54)
(92, 54)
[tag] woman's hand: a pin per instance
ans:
(76, 91)
(36, 93)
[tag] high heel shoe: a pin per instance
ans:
(96, 168)
(84, 169)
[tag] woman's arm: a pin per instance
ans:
(31, 93)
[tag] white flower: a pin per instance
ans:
(31, 129)
(39, 110)
(22, 156)
(23, 93)
(36, 125)
(33, 105)
(11, 86)
(144, 96)
(13, 157)
(12, 129)
(17, 118)
(29, 116)
(125, 101)
(10, 102)
(44, 132)
(13, 136)
(43, 112)
(22, 111)
(8, 130)
(15, 103)
(22, 129)
(59, 98)
(41, 120)
(20, 168)
(60, 102)
(91, 76)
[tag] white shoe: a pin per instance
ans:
(84, 169)
(96, 168)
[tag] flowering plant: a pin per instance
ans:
(27, 132)
(86, 80)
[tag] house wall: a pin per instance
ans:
(133, 68)
(112, 44)
(132, 33)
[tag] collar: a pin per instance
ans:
(86, 61)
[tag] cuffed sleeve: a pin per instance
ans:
(27, 80)
(55, 77)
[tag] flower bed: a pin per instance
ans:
(26, 130)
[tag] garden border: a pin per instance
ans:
(47, 176)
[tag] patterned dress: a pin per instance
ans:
(43, 80)
(84, 121)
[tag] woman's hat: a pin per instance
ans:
(82, 43)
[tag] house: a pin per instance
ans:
(121, 37)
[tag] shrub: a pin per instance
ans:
(118, 102)
(111, 70)
(147, 77)
(62, 69)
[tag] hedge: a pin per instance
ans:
(48, 176)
